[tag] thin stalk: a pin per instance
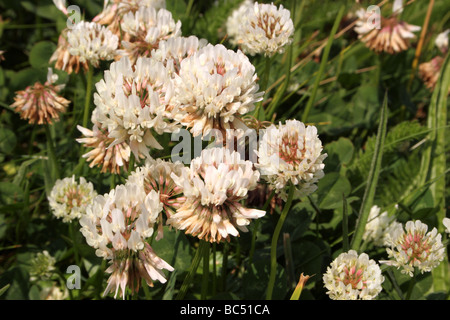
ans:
(256, 226)
(323, 64)
(193, 269)
(214, 279)
(372, 180)
(51, 152)
(276, 235)
(223, 283)
(205, 277)
(260, 114)
(87, 101)
(420, 42)
(412, 283)
(75, 244)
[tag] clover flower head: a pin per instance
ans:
(266, 29)
(382, 34)
(235, 21)
(353, 277)
(42, 266)
(111, 158)
(214, 185)
(413, 246)
(378, 225)
(92, 43)
(68, 198)
(133, 101)
(145, 29)
(215, 87)
(41, 103)
(117, 225)
(291, 153)
(156, 175)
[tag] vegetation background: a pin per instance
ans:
(340, 89)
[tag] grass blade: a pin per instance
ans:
(372, 179)
(323, 63)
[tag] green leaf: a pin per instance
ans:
(174, 249)
(40, 54)
(372, 180)
(340, 152)
(434, 159)
(8, 140)
(3, 290)
(257, 276)
(330, 189)
(10, 193)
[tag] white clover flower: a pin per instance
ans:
(53, 293)
(92, 43)
(214, 185)
(266, 29)
(112, 158)
(114, 11)
(174, 50)
(414, 248)
(155, 175)
(353, 277)
(391, 35)
(291, 152)
(442, 41)
(117, 225)
(378, 225)
(236, 20)
(446, 223)
(68, 199)
(132, 101)
(215, 87)
(145, 28)
(41, 103)
(42, 266)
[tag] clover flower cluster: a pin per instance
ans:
(353, 277)
(378, 226)
(392, 35)
(68, 199)
(117, 225)
(260, 28)
(159, 82)
(41, 103)
(291, 153)
(411, 247)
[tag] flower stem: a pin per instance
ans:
(205, 278)
(256, 226)
(412, 283)
(203, 245)
(260, 114)
(87, 101)
(75, 246)
(276, 235)
(51, 152)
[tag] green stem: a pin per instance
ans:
(51, 153)
(276, 235)
(193, 269)
(87, 101)
(75, 243)
(223, 283)
(412, 283)
(256, 227)
(260, 115)
(205, 277)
